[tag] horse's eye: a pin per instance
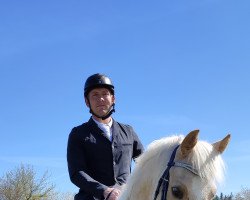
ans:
(177, 192)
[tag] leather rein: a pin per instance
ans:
(164, 180)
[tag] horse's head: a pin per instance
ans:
(193, 173)
(201, 168)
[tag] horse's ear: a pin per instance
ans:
(220, 146)
(189, 142)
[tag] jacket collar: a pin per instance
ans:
(116, 129)
(94, 127)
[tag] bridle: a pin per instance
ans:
(164, 180)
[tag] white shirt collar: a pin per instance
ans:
(106, 128)
(102, 124)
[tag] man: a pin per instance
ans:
(100, 151)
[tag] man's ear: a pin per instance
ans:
(113, 98)
(86, 101)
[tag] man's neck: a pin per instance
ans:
(104, 121)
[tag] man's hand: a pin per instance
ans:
(111, 194)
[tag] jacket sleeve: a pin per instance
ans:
(138, 148)
(77, 167)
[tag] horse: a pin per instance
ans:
(177, 168)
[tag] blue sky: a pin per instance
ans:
(176, 66)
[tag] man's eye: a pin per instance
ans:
(95, 96)
(106, 94)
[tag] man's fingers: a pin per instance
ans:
(113, 195)
(109, 195)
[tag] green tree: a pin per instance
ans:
(224, 197)
(216, 198)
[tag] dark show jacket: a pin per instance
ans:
(94, 162)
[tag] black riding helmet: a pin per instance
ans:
(99, 81)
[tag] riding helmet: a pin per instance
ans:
(97, 81)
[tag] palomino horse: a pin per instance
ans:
(177, 168)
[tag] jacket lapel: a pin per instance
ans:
(95, 129)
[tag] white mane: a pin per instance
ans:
(152, 163)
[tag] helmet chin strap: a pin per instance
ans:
(111, 110)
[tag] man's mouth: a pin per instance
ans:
(101, 106)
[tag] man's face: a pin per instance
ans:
(100, 100)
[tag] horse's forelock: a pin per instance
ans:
(208, 162)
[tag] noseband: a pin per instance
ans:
(164, 180)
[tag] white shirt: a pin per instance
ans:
(106, 128)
